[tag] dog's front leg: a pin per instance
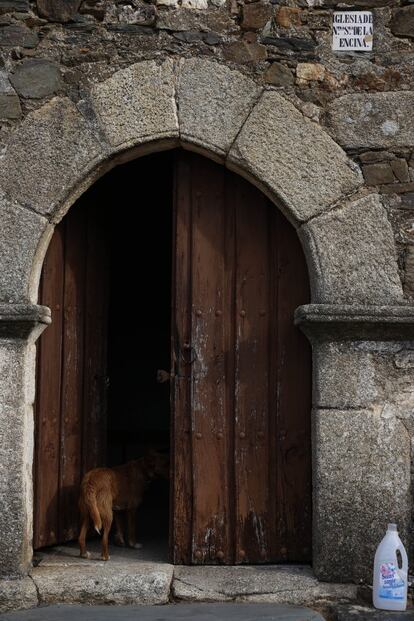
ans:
(132, 520)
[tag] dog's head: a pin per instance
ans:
(157, 465)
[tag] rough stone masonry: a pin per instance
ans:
(66, 63)
(364, 100)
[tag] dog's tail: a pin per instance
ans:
(89, 498)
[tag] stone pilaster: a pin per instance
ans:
(363, 430)
(20, 325)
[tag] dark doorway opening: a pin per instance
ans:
(172, 262)
(140, 244)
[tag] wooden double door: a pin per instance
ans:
(240, 372)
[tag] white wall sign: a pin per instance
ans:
(352, 31)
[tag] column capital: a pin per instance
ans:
(353, 322)
(23, 321)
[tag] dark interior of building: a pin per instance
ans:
(139, 320)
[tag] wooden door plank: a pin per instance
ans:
(294, 485)
(95, 342)
(47, 407)
(275, 532)
(251, 377)
(229, 302)
(181, 436)
(72, 374)
(209, 317)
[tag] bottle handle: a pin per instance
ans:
(404, 558)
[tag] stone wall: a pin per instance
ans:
(365, 100)
(87, 53)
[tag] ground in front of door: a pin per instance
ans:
(200, 612)
(134, 577)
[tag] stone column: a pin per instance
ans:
(20, 325)
(363, 429)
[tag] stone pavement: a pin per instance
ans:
(362, 613)
(171, 612)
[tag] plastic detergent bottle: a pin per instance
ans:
(390, 580)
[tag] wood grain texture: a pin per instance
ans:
(181, 438)
(243, 490)
(70, 408)
(48, 399)
(72, 374)
(208, 407)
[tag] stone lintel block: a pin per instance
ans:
(295, 160)
(351, 255)
(22, 231)
(372, 120)
(214, 102)
(353, 500)
(63, 150)
(137, 104)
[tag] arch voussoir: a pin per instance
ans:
(137, 105)
(213, 103)
(293, 158)
(63, 149)
(340, 273)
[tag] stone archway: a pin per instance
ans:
(61, 148)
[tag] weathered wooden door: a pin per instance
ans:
(242, 375)
(70, 430)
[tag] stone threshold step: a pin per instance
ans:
(63, 579)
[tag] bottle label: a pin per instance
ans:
(391, 584)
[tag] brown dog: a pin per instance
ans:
(108, 490)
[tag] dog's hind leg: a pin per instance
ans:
(119, 535)
(82, 536)
(105, 546)
(106, 525)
